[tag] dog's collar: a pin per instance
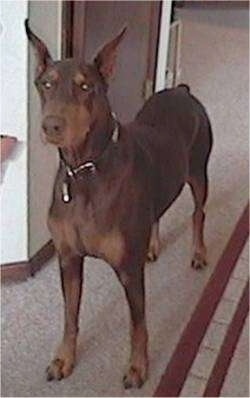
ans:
(71, 172)
(89, 165)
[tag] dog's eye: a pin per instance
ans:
(47, 85)
(84, 86)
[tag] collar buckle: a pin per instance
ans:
(85, 166)
(90, 166)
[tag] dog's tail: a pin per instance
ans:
(185, 86)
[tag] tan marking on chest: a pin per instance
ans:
(113, 246)
(110, 246)
(64, 235)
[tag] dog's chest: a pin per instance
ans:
(80, 230)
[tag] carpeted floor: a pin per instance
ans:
(215, 65)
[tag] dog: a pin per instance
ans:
(114, 182)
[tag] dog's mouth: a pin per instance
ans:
(61, 140)
(56, 140)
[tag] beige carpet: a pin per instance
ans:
(215, 64)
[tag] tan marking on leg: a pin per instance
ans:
(154, 244)
(133, 284)
(199, 187)
(71, 270)
(138, 369)
(199, 249)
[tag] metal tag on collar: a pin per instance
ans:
(66, 197)
(115, 135)
(69, 171)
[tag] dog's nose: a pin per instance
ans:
(53, 125)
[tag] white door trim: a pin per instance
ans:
(163, 45)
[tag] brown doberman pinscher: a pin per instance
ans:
(114, 183)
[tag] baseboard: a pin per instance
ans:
(42, 257)
(20, 271)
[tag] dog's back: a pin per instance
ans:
(175, 112)
(174, 131)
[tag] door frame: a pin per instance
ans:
(73, 29)
(162, 55)
(67, 29)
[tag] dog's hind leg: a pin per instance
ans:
(71, 269)
(198, 182)
(199, 188)
(154, 244)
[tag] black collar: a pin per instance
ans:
(90, 165)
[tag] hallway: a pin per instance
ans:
(215, 65)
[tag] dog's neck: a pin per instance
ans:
(101, 135)
(104, 158)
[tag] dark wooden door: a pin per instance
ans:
(96, 22)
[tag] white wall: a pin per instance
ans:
(13, 188)
(27, 184)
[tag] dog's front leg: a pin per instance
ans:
(71, 269)
(132, 279)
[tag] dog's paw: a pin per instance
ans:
(198, 261)
(59, 369)
(134, 378)
(153, 252)
(152, 256)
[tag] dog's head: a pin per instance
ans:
(73, 94)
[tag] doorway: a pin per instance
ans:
(88, 25)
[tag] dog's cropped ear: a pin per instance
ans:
(42, 54)
(106, 58)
